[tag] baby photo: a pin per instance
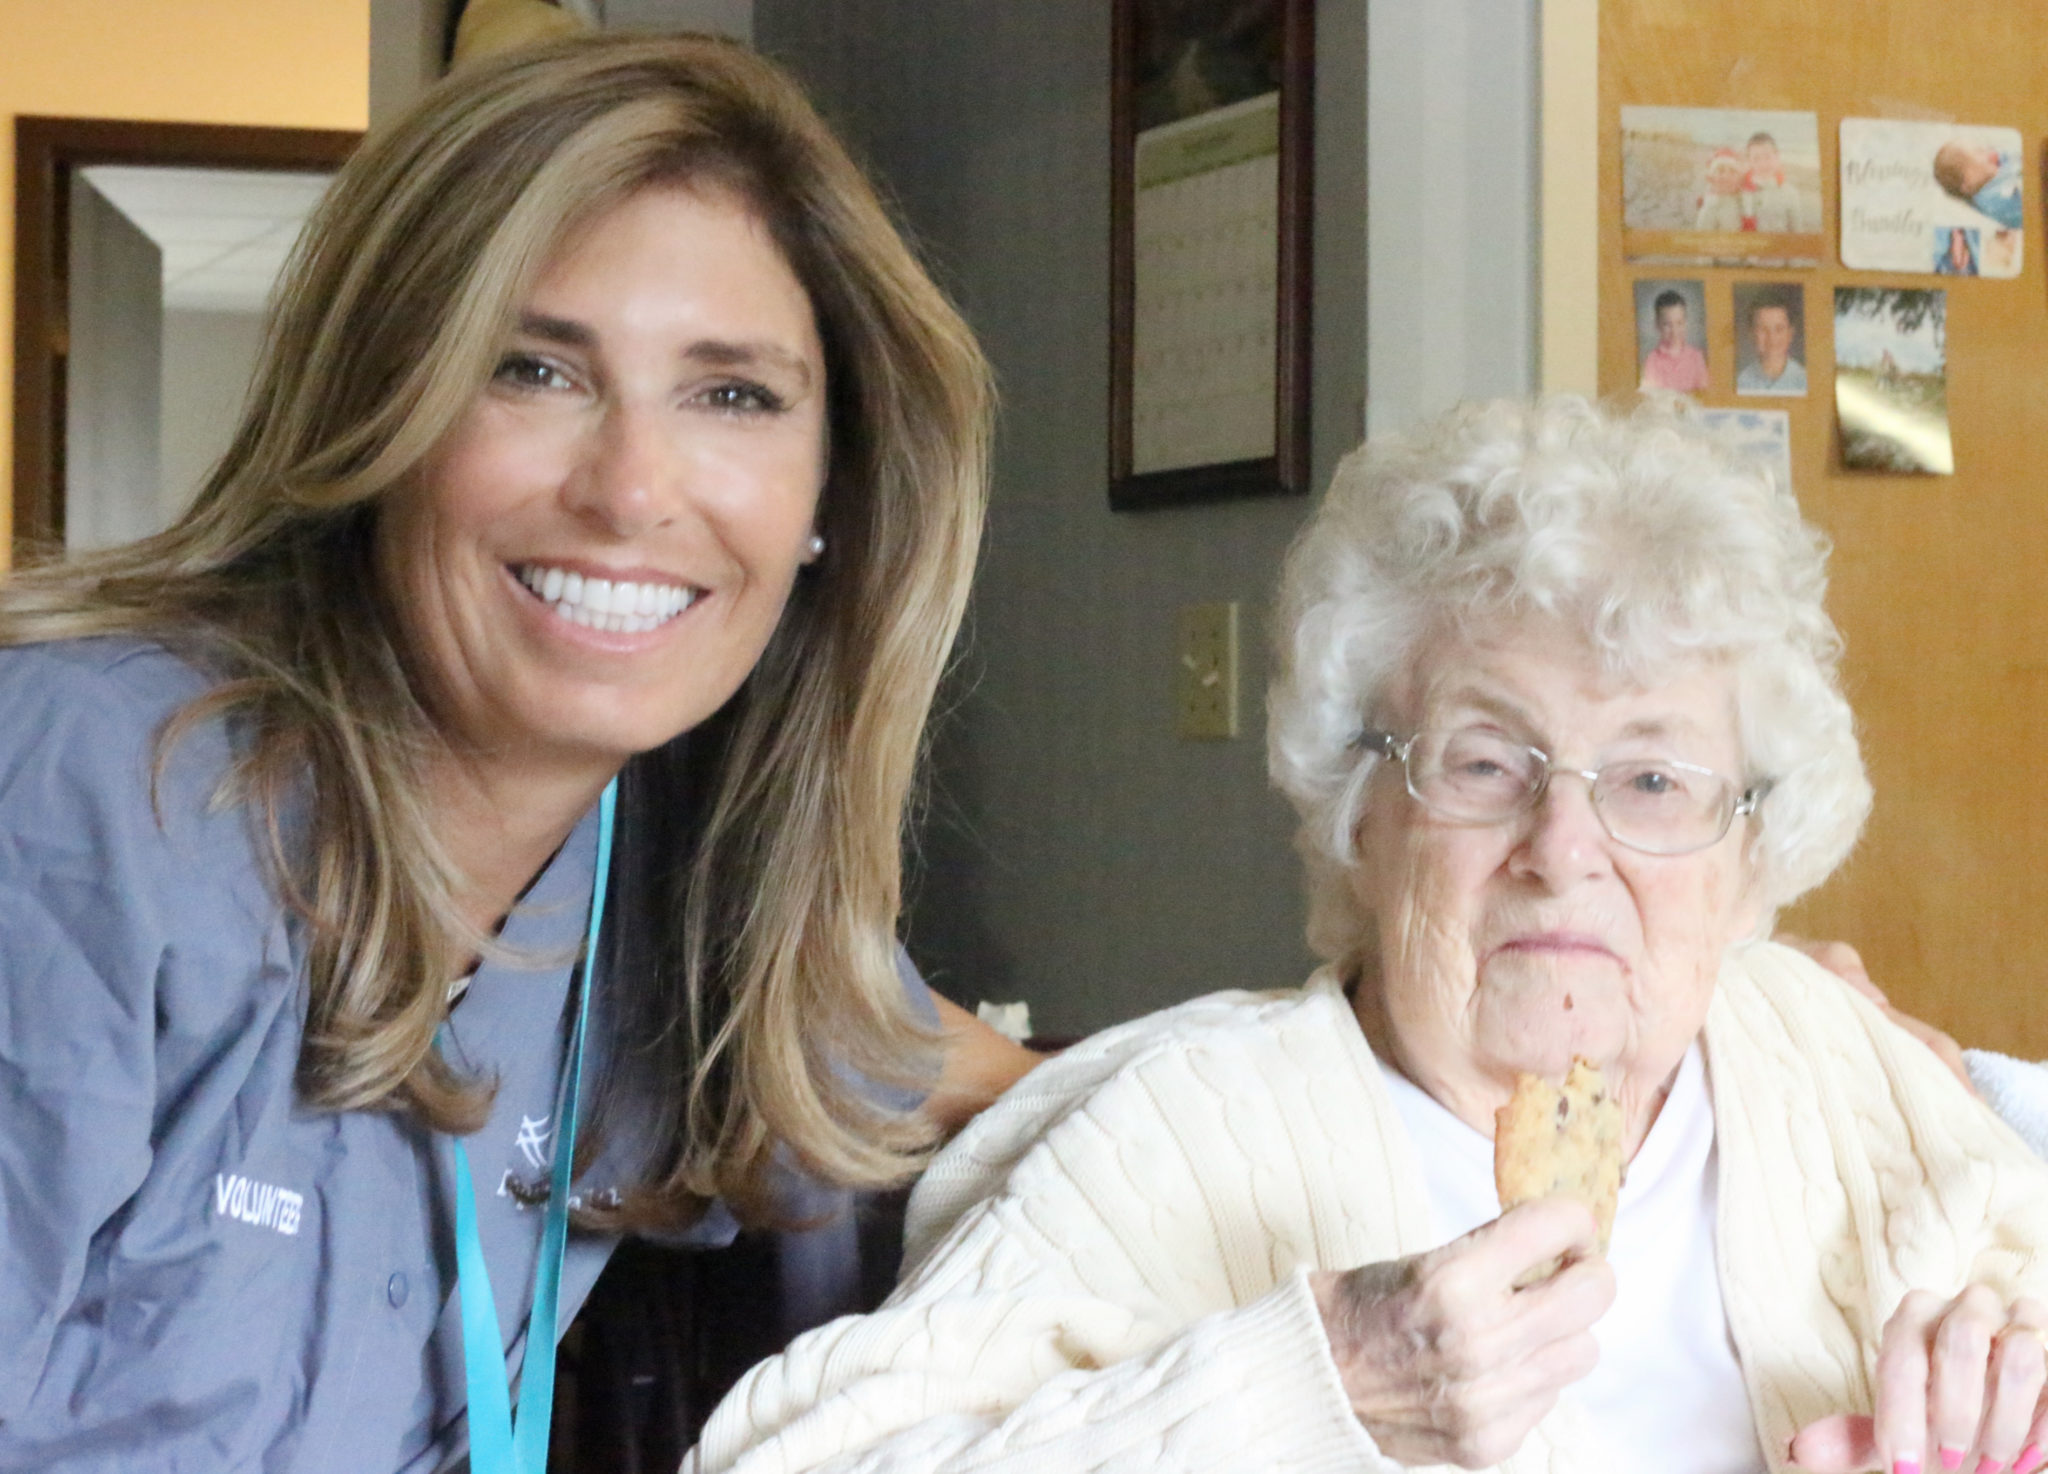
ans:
(1770, 338)
(1942, 197)
(1713, 185)
(1671, 335)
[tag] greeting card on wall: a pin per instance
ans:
(1938, 197)
(1728, 185)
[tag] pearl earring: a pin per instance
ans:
(815, 545)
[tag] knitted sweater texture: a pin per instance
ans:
(1107, 1271)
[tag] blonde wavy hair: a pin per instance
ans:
(759, 866)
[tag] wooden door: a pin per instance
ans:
(1940, 583)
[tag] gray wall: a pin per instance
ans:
(111, 383)
(1074, 853)
(733, 18)
(405, 53)
(209, 358)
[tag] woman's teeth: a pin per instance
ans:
(615, 607)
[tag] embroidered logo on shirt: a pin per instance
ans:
(262, 1204)
(532, 1144)
(532, 1140)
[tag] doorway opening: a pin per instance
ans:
(144, 254)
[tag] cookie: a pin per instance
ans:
(1547, 1140)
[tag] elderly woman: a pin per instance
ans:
(1559, 711)
(612, 465)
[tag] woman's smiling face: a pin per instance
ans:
(1520, 945)
(594, 558)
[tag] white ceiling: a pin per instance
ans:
(224, 233)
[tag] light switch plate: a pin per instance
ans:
(1205, 681)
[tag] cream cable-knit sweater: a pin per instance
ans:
(1107, 1270)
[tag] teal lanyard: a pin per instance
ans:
(496, 1444)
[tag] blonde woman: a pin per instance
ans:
(607, 441)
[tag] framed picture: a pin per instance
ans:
(1210, 216)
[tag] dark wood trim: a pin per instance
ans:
(1225, 481)
(1294, 340)
(1286, 472)
(46, 152)
(41, 220)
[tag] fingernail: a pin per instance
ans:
(1989, 1465)
(2028, 1461)
(1951, 1457)
(1906, 1464)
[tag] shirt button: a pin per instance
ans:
(396, 1290)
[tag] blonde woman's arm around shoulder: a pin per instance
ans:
(979, 1066)
(2016, 1089)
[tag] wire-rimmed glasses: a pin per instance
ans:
(1657, 805)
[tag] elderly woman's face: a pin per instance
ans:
(1518, 945)
(595, 557)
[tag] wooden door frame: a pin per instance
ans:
(47, 152)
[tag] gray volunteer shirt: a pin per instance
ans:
(196, 1273)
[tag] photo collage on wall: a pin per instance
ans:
(1724, 188)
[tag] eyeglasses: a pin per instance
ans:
(1656, 805)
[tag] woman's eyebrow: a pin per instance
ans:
(1467, 701)
(1475, 700)
(1663, 727)
(563, 330)
(726, 353)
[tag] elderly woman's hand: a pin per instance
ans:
(1959, 1383)
(1444, 1360)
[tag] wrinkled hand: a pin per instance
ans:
(1444, 1361)
(1846, 963)
(1959, 1385)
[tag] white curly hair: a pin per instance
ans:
(1639, 527)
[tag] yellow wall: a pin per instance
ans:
(1570, 250)
(272, 63)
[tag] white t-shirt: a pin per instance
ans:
(1668, 1391)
